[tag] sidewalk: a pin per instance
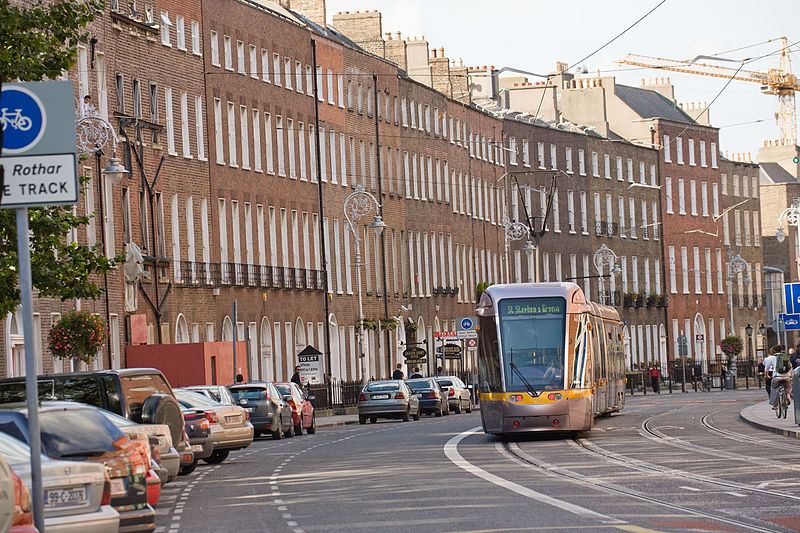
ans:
(762, 416)
(336, 420)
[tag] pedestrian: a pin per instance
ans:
(398, 372)
(86, 106)
(769, 366)
(697, 374)
(794, 358)
(723, 371)
(439, 371)
(415, 373)
(296, 376)
(239, 378)
(654, 377)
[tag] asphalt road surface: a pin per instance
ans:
(680, 462)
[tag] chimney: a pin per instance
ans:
(314, 10)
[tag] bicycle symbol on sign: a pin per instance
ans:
(16, 120)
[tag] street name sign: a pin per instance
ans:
(38, 160)
(416, 361)
(451, 349)
(415, 353)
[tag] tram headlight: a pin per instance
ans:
(515, 397)
(553, 396)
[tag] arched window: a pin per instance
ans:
(181, 330)
(227, 329)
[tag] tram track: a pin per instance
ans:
(513, 452)
(741, 437)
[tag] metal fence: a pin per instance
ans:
(335, 394)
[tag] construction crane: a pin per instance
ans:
(779, 81)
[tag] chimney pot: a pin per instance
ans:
(441, 51)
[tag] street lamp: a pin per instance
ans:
(736, 265)
(605, 256)
(515, 231)
(791, 215)
(359, 204)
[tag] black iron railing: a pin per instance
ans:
(199, 275)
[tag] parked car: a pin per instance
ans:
(75, 432)
(22, 520)
(269, 412)
(230, 428)
(198, 432)
(218, 393)
(7, 504)
(387, 399)
(139, 394)
(431, 397)
(458, 394)
(169, 458)
(76, 495)
(302, 410)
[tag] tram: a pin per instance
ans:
(548, 359)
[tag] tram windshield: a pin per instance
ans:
(532, 341)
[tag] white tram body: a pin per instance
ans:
(548, 359)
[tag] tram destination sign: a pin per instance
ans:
(38, 160)
(517, 308)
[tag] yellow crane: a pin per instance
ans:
(778, 81)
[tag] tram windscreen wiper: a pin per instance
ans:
(516, 370)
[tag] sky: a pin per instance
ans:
(532, 35)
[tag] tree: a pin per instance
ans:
(39, 42)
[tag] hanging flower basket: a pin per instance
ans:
(78, 334)
(388, 324)
(731, 346)
(368, 324)
(411, 327)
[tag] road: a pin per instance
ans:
(680, 462)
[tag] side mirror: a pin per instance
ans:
(309, 398)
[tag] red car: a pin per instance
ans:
(302, 410)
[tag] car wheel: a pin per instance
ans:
(362, 419)
(458, 407)
(298, 429)
(289, 433)
(446, 408)
(373, 419)
(188, 469)
(405, 416)
(313, 427)
(419, 413)
(217, 457)
(469, 406)
(276, 435)
(439, 412)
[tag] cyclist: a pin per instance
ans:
(769, 367)
(781, 375)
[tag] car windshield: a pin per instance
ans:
(374, 387)
(445, 382)
(76, 433)
(193, 399)
(252, 393)
(420, 384)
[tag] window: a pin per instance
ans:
(713, 155)
(667, 155)
(621, 209)
(704, 197)
(569, 159)
(653, 175)
(268, 148)
(137, 99)
(620, 176)
(165, 24)
(693, 196)
(709, 282)
(310, 84)
(232, 134)
(244, 134)
(703, 154)
(668, 194)
(331, 101)
(571, 211)
(228, 53)
(698, 289)
(120, 94)
(607, 166)
(724, 180)
(526, 156)
(287, 72)
(595, 169)
(540, 154)
(681, 198)
(512, 146)
(672, 279)
(756, 231)
(198, 124)
(735, 185)
(215, 49)
(180, 31)
(685, 269)
(257, 140)
(632, 217)
(719, 271)
(281, 154)
(584, 215)
(253, 62)
(691, 152)
(170, 123)
(715, 199)
(340, 92)
(276, 69)
(290, 145)
(185, 125)
(196, 40)
(265, 66)
(218, 131)
(630, 170)
(642, 173)
(298, 76)
(553, 157)
(679, 149)
(581, 163)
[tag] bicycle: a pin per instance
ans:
(704, 385)
(16, 120)
(782, 403)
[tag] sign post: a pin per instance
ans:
(39, 135)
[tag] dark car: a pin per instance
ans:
(75, 432)
(139, 394)
(458, 394)
(198, 431)
(431, 397)
(387, 399)
(269, 412)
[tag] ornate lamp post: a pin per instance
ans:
(93, 134)
(790, 215)
(605, 256)
(515, 231)
(736, 265)
(359, 204)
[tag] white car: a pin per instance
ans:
(7, 489)
(76, 495)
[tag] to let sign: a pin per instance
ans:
(39, 162)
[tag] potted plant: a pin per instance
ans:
(388, 324)
(367, 323)
(630, 299)
(79, 334)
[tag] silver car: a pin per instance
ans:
(387, 399)
(458, 394)
(73, 491)
(218, 393)
(230, 426)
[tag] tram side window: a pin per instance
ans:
(489, 357)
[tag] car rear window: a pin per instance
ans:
(193, 399)
(445, 382)
(253, 393)
(286, 390)
(382, 386)
(77, 433)
(419, 385)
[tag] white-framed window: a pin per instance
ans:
(526, 156)
(165, 24)
(268, 148)
(287, 73)
(704, 197)
(215, 48)
(673, 282)
(703, 162)
(298, 76)
(257, 156)
(571, 211)
(170, 121)
(244, 137)
(681, 198)
(653, 175)
(218, 142)
(630, 170)
(281, 147)
(685, 269)
(310, 84)
(690, 147)
(595, 165)
(581, 162)
(196, 50)
(667, 150)
(276, 69)
(642, 173)
(719, 271)
(290, 144)
(253, 61)
(713, 155)
(568, 155)
(265, 66)
(607, 166)
(329, 75)
(668, 194)
(187, 152)
(180, 32)
(228, 51)
(698, 287)
(232, 134)
(340, 90)
(199, 124)
(512, 153)
(553, 156)
(620, 171)
(540, 154)
(709, 280)
(693, 196)
(679, 150)
(715, 199)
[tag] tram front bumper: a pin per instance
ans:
(553, 416)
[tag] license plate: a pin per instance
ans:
(197, 447)
(231, 419)
(380, 396)
(65, 497)
(249, 409)
(118, 486)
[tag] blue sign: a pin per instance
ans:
(791, 322)
(466, 323)
(791, 296)
(23, 119)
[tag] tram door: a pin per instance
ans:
(599, 367)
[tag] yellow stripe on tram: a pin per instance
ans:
(523, 398)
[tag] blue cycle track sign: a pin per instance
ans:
(466, 323)
(791, 294)
(38, 153)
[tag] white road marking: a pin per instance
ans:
(451, 451)
(737, 494)
(695, 489)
